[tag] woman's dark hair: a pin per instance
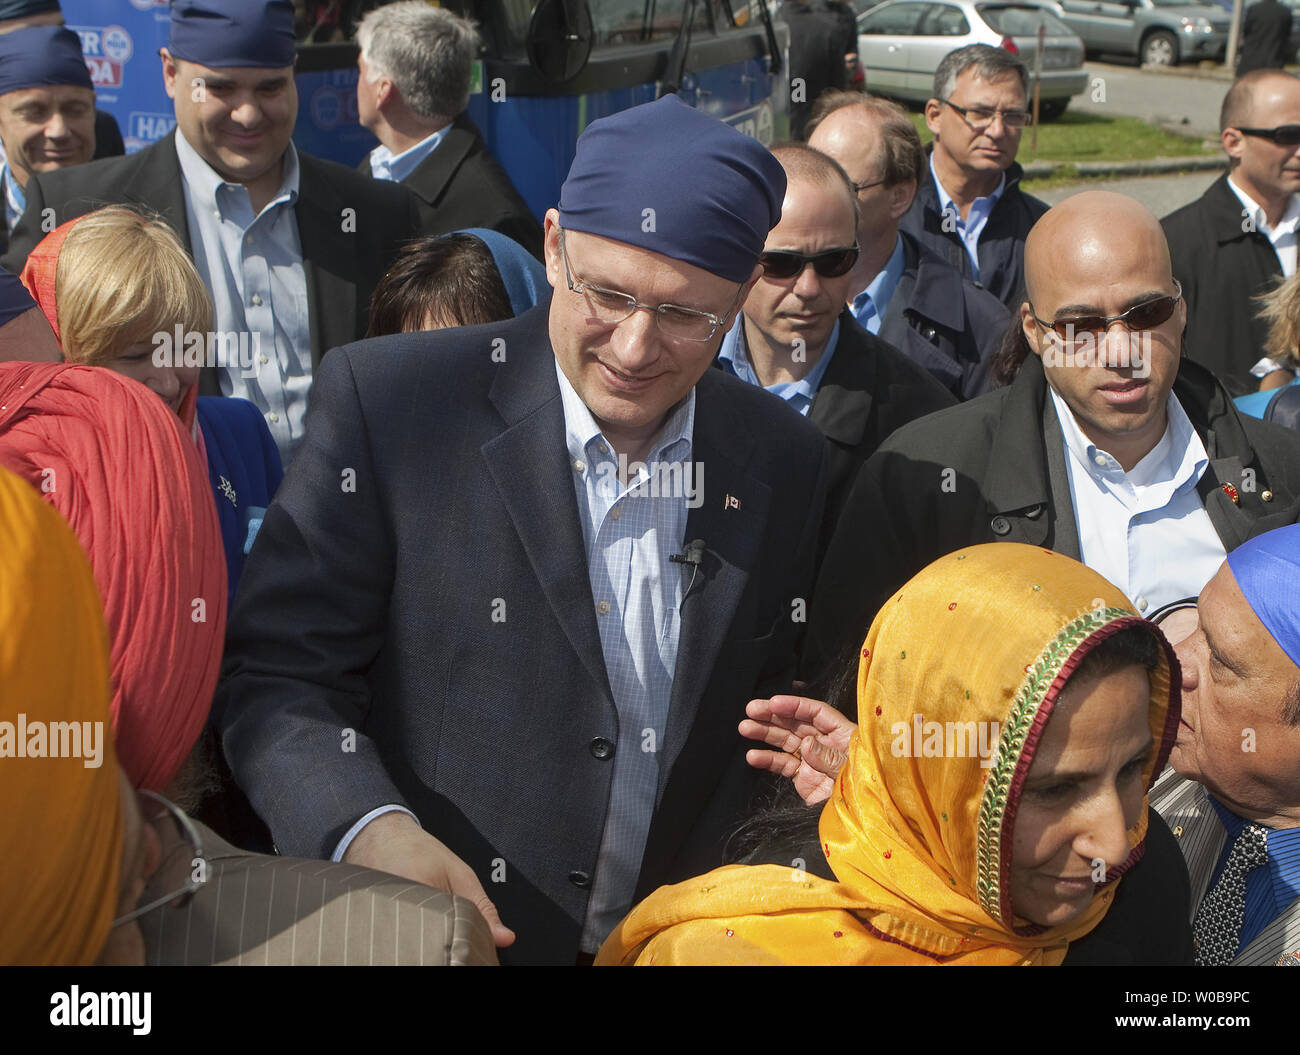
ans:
(1011, 353)
(1134, 647)
(451, 279)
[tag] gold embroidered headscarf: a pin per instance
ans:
(921, 841)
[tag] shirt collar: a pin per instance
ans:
(882, 287)
(15, 199)
(800, 394)
(206, 183)
(1177, 460)
(1289, 221)
(1283, 855)
(581, 430)
(945, 199)
(384, 164)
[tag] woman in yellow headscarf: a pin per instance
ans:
(1013, 713)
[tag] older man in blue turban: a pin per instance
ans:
(510, 602)
(1234, 800)
(290, 246)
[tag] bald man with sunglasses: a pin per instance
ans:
(1239, 239)
(796, 338)
(1107, 445)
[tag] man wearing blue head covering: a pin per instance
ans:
(47, 111)
(510, 603)
(289, 246)
(1234, 798)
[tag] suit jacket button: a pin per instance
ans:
(1000, 525)
(601, 749)
(580, 879)
(1034, 512)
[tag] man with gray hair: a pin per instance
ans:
(415, 65)
(969, 207)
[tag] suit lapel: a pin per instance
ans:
(842, 405)
(530, 466)
(159, 188)
(431, 176)
(729, 516)
(328, 255)
(1279, 938)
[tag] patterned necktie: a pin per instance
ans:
(1217, 927)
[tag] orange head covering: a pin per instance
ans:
(110, 456)
(921, 840)
(61, 837)
(40, 275)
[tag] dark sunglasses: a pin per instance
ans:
(1145, 316)
(1282, 135)
(831, 264)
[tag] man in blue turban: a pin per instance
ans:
(289, 246)
(47, 110)
(1234, 800)
(503, 618)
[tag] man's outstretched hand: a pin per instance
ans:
(811, 741)
(394, 843)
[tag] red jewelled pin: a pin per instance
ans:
(730, 932)
(888, 854)
(866, 653)
(878, 712)
(1231, 492)
(839, 934)
(952, 606)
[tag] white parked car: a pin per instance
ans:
(901, 42)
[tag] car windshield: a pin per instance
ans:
(1021, 20)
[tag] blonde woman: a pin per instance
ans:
(120, 291)
(1280, 308)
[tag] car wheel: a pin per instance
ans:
(1160, 49)
(1051, 109)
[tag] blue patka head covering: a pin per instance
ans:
(220, 33)
(1267, 569)
(521, 273)
(41, 56)
(665, 177)
(19, 8)
(14, 298)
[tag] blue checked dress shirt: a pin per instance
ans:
(15, 199)
(252, 266)
(637, 592)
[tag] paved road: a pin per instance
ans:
(1161, 194)
(1191, 101)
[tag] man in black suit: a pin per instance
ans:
(290, 246)
(415, 65)
(1265, 37)
(819, 45)
(505, 612)
(796, 338)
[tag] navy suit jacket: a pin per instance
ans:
(420, 586)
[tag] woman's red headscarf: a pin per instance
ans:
(113, 459)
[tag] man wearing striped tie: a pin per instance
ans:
(1233, 796)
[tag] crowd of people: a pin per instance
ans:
(838, 558)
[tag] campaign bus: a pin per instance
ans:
(548, 69)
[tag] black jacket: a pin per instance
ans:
(1265, 37)
(461, 185)
(944, 323)
(819, 41)
(1002, 242)
(1222, 265)
(869, 390)
(993, 470)
(350, 228)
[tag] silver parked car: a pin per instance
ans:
(1158, 32)
(901, 42)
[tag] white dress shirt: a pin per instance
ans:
(1146, 530)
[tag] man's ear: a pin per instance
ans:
(169, 72)
(1233, 143)
(933, 108)
(386, 95)
(744, 295)
(551, 248)
(1029, 327)
(900, 198)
